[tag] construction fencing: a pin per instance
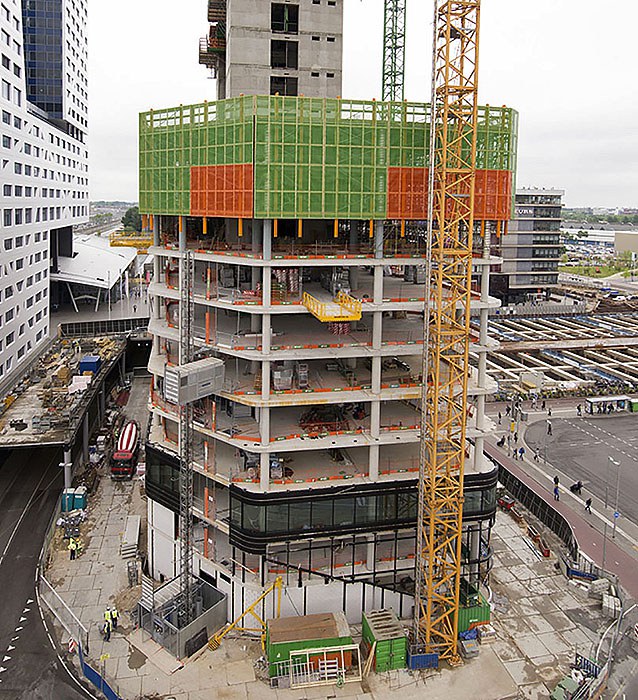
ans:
(62, 612)
(97, 679)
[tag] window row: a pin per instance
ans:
(17, 217)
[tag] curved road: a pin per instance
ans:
(30, 483)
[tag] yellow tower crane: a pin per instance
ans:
(447, 326)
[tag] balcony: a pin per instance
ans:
(216, 11)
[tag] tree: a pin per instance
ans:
(132, 219)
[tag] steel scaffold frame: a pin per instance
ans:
(445, 359)
(186, 310)
(392, 84)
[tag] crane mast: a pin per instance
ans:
(393, 51)
(447, 325)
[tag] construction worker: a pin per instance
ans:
(114, 616)
(109, 619)
(72, 547)
(106, 629)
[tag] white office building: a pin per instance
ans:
(44, 168)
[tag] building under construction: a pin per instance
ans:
(306, 218)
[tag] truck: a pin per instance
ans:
(124, 457)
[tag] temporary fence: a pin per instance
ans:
(97, 679)
(62, 612)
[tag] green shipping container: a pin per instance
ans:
(286, 634)
(475, 614)
(384, 628)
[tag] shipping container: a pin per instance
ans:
(384, 628)
(90, 363)
(286, 634)
(474, 615)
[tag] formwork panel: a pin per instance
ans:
(226, 190)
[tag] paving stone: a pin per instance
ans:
(522, 671)
(531, 646)
(240, 672)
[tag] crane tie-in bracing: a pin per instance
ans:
(447, 326)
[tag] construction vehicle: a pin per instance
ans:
(124, 458)
(276, 587)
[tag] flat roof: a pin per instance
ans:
(308, 627)
(94, 262)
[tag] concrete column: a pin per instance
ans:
(68, 468)
(85, 437)
(353, 239)
(264, 471)
(265, 334)
(265, 380)
(370, 553)
(266, 286)
(377, 330)
(479, 444)
(354, 278)
(376, 375)
(378, 239)
(264, 425)
(377, 295)
(267, 239)
(182, 234)
(156, 230)
(374, 463)
(375, 419)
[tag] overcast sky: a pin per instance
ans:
(567, 66)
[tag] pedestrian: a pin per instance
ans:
(507, 410)
(521, 453)
(114, 616)
(549, 427)
(549, 411)
(134, 308)
(556, 493)
(106, 629)
(515, 437)
(499, 417)
(509, 441)
(556, 480)
(579, 410)
(588, 505)
(514, 453)
(108, 619)
(543, 405)
(72, 547)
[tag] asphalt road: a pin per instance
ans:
(581, 447)
(30, 482)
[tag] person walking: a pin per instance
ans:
(543, 405)
(588, 505)
(499, 417)
(515, 438)
(514, 453)
(549, 427)
(579, 410)
(114, 616)
(521, 453)
(549, 411)
(556, 493)
(134, 308)
(536, 454)
(106, 628)
(108, 619)
(507, 410)
(72, 547)
(556, 480)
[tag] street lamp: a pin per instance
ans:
(613, 461)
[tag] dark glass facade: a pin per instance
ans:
(42, 29)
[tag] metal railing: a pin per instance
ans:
(62, 612)
(117, 326)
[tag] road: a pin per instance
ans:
(581, 447)
(30, 482)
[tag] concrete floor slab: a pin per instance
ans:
(536, 691)
(559, 621)
(539, 624)
(522, 671)
(82, 583)
(555, 643)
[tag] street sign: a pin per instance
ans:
(616, 514)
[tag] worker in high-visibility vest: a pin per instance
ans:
(72, 547)
(114, 616)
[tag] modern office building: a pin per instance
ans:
(44, 161)
(532, 248)
(267, 48)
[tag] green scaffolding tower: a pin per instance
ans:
(393, 51)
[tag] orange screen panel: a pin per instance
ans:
(222, 190)
(408, 194)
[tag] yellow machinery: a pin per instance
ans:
(343, 308)
(215, 641)
(142, 240)
(447, 326)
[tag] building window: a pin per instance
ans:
(6, 117)
(281, 85)
(284, 18)
(6, 62)
(6, 190)
(10, 338)
(284, 54)
(8, 219)
(6, 90)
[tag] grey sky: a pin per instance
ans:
(563, 64)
